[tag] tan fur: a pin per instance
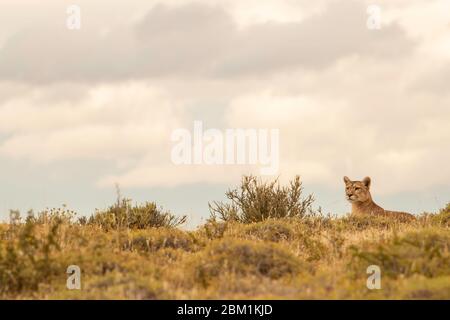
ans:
(358, 194)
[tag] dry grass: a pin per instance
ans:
(300, 257)
(285, 258)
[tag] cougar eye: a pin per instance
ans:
(357, 188)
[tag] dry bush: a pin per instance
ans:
(256, 201)
(443, 217)
(52, 215)
(125, 215)
(27, 256)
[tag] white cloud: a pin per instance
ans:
(196, 40)
(148, 174)
(111, 122)
(326, 132)
(347, 101)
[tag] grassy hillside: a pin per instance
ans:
(294, 255)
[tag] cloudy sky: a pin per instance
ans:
(83, 109)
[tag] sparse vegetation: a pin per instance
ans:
(267, 249)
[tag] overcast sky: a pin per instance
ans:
(83, 109)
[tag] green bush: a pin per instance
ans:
(257, 201)
(125, 215)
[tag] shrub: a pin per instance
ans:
(125, 215)
(443, 217)
(26, 260)
(256, 201)
(53, 215)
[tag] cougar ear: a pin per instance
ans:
(346, 179)
(366, 182)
